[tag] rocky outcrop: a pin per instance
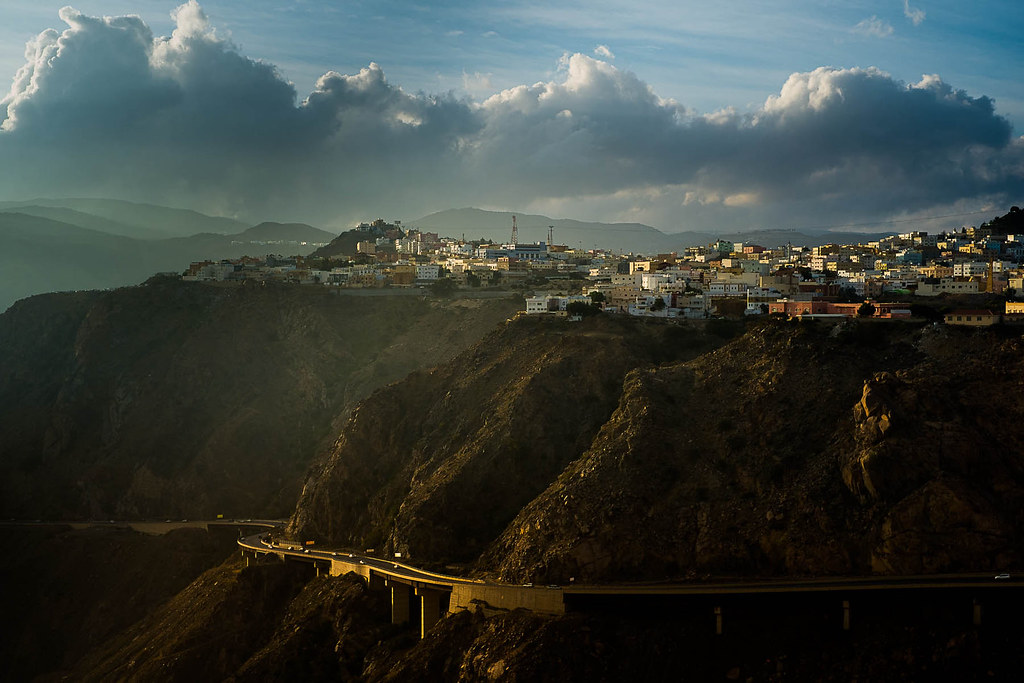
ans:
(437, 465)
(942, 482)
(944, 525)
(791, 451)
(794, 450)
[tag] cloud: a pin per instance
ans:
(874, 27)
(915, 15)
(104, 108)
(603, 52)
(476, 82)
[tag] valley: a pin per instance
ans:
(615, 451)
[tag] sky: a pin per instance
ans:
(682, 115)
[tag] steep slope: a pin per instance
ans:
(273, 621)
(67, 591)
(184, 399)
(342, 245)
(437, 465)
(795, 450)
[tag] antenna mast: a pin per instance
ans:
(551, 234)
(515, 231)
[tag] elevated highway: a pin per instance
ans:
(423, 597)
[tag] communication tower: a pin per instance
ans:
(551, 234)
(515, 231)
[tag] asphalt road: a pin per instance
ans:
(722, 587)
(259, 543)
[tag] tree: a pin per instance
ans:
(597, 297)
(443, 287)
(472, 279)
(866, 310)
(847, 294)
(658, 305)
(582, 309)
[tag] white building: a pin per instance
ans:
(970, 268)
(537, 304)
(427, 271)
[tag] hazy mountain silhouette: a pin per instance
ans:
(48, 249)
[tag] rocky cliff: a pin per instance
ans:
(188, 399)
(611, 452)
(435, 466)
(796, 450)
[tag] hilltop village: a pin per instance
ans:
(879, 278)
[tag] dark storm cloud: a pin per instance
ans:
(829, 131)
(105, 108)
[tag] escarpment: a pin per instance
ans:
(554, 453)
(437, 465)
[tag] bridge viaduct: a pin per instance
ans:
(424, 597)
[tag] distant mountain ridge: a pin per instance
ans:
(68, 244)
(149, 220)
(292, 232)
(635, 238)
(46, 248)
(86, 220)
(497, 226)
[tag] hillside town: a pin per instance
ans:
(879, 279)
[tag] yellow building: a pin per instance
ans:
(974, 318)
(1014, 307)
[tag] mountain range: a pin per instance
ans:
(619, 237)
(80, 244)
(51, 245)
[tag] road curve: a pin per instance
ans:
(398, 570)
(259, 543)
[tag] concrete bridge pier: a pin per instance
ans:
(399, 602)
(430, 608)
(251, 558)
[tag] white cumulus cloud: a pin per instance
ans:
(104, 108)
(604, 52)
